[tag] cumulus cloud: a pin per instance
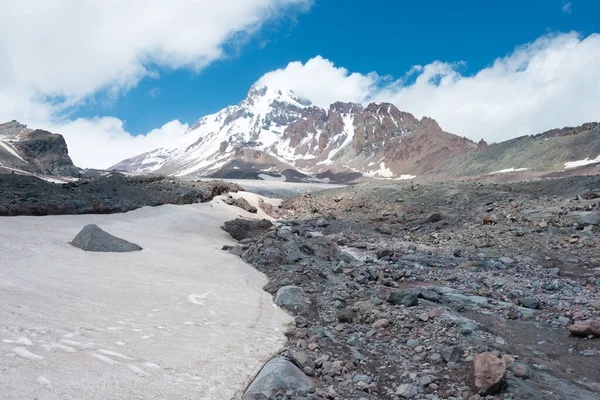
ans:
(552, 82)
(57, 54)
(308, 79)
(103, 141)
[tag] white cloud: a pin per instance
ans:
(567, 8)
(552, 82)
(308, 79)
(103, 141)
(57, 54)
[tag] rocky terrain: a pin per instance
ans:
(104, 194)
(34, 151)
(434, 290)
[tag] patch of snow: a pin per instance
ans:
(12, 151)
(267, 177)
(318, 180)
(504, 171)
(382, 172)
(181, 257)
(580, 163)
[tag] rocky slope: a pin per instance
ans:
(554, 150)
(455, 290)
(34, 151)
(274, 130)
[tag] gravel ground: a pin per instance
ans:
(425, 290)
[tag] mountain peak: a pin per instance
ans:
(12, 128)
(261, 94)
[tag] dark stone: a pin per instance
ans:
(278, 378)
(346, 315)
(435, 217)
(384, 253)
(242, 228)
(292, 298)
(92, 238)
(451, 354)
(403, 298)
(430, 295)
(529, 302)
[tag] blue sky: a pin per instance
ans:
(389, 38)
(119, 78)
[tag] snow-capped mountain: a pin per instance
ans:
(274, 130)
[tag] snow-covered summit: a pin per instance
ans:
(274, 129)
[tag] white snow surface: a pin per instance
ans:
(507, 170)
(580, 163)
(9, 148)
(179, 319)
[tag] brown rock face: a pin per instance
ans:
(380, 122)
(488, 373)
(319, 125)
(585, 328)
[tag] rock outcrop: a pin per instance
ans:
(35, 151)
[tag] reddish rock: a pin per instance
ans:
(381, 324)
(585, 328)
(489, 220)
(488, 373)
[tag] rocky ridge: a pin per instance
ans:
(113, 193)
(35, 151)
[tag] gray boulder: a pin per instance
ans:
(451, 354)
(93, 238)
(530, 302)
(278, 377)
(240, 229)
(292, 298)
(400, 297)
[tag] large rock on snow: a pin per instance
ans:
(278, 377)
(242, 228)
(488, 373)
(93, 238)
(241, 203)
